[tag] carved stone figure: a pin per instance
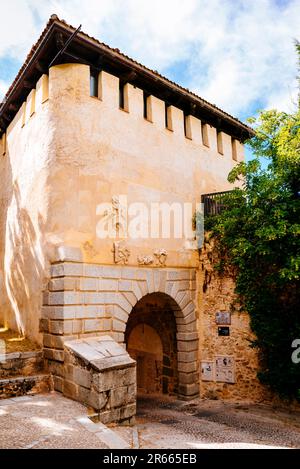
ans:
(161, 257)
(145, 260)
(117, 216)
(121, 252)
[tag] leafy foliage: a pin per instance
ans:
(258, 235)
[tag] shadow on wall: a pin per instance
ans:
(22, 261)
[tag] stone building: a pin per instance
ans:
(83, 125)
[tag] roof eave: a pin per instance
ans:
(55, 26)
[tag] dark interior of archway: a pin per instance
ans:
(151, 340)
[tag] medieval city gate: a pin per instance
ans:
(151, 311)
(151, 339)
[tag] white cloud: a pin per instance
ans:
(239, 53)
(3, 88)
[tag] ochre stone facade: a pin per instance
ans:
(64, 154)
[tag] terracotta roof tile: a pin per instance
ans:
(54, 19)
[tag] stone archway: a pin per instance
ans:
(151, 340)
(102, 299)
(166, 359)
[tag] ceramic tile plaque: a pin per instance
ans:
(225, 369)
(207, 371)
(223, 318)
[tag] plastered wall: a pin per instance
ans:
(67, 152)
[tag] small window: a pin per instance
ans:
(220, 142)
(147, 106)
(121, 95)
(204, 133)
(168, 117)
(187, 126)
(234, 148)
(94, 83)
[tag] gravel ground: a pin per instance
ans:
(44, 421)
(169, 423)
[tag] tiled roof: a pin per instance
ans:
(116, 53)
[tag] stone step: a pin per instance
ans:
(23, 385)
(21, 364)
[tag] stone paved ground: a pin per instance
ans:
(44, 421)
(52, 421)
(169, 423)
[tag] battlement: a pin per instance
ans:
(34, 101)
(67, 79)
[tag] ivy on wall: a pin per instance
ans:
(257, 234)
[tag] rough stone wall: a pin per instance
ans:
(22, 364)
(217, 295)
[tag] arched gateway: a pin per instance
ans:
(92, 313)
(163, 361)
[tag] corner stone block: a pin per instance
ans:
(190, 346)
(68, 253)
(122, 395)
(65, 298)
(187, 356)
(58, 383)
(67, 269)
(82, 377)
(127, 411)
(187, 367)
(189, 390)
(70, 389)
(188, 378)
(190, 327)
(187, 336)
(62, 284)
(53, 354)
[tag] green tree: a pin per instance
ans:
(258, 236)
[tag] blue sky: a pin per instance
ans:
(237, 54)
